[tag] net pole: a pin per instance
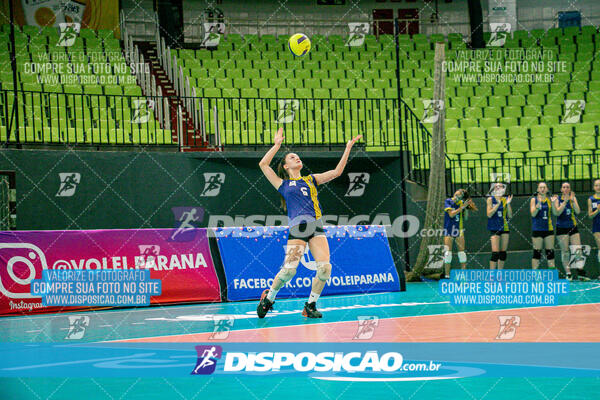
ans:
(434, 215)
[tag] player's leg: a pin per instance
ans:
(565, 255)
(462, 256)
(549, 246)
(448, 240)
(320, 251)
(575, 243)
(597, 239)
(495, 241)
(503, 248)
(538, 242)
(293, 253)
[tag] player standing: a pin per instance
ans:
(542, 208)
(594, 213)
(567, 233)
(304, 213)
(455, 213)
(499, 211)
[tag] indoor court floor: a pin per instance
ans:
(420, 314)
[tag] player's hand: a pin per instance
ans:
(509, 199)
(353, 140)
(278, 139)
(554, 198)
(538, 205)
(572, 197)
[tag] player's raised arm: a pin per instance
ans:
(265, 163)
(334, 173)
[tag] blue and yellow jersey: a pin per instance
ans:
(567, 218)
(596, 220)
(301, 199)
(451, 224)
(498, 221)
(543, 220)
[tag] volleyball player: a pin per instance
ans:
(594, 213)
(567, 233)
(305, 225)
(455, 213)
(499, 211)
(542, 208)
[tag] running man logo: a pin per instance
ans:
(184, 230)
(77, 326)
(212, 183)
(436, 256)
(212, 34)
(579, 253)
(142, 110)
(207, 359)
(68, 33)
(432, 110)
(366, 327)
(573, 111)
(358, 183)
(499, 33)
(287, 110)
(222, 327)
(68, 183)
(508, 326)
(358, 30)
(150, 253)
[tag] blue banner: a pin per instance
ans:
(361, 261)
(326, 361)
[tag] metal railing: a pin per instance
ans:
(523, 174)
(67, 118)
(249, 123)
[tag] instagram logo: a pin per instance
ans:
(21, 260)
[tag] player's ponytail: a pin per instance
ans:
(283, 174)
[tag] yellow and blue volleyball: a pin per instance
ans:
(299, 44)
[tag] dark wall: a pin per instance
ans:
(139, 190)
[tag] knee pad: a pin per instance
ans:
(550, 254)
(323, 270)
(537, 254)
(286, 273)
(462, 257)
(447, 257)
(495, 256)
(502, 256)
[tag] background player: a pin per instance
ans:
(455, 213)
(499, 211)
(304, 213)
(567, 233)
(594, 213)
(541, 208)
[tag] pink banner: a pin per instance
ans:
(181, 260)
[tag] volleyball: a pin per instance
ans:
(299, 44)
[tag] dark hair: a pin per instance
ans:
(283, 174)
(466, 196)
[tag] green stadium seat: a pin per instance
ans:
(496, 133)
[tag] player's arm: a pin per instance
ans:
(591, 213)
(265, 163)
(508, 206)
(534, 207)
(452, 212)
(556, 208)
(490, 208)
(334, 173)
(576, 207)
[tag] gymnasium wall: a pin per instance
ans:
(453, 17)
(142, 189)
